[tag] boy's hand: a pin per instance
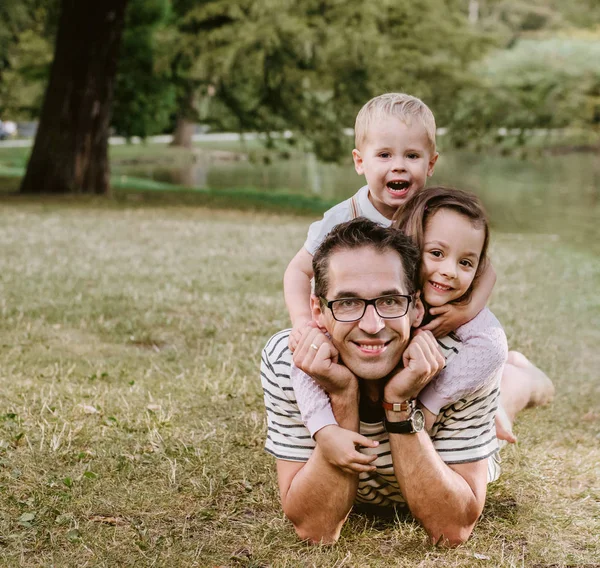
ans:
(422, 360)
(449, 318)
(296, 334)
(317, 357)
(339, 448)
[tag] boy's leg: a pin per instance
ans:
(523, 386)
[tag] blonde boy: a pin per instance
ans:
(396, 152)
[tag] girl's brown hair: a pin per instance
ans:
(413, 217)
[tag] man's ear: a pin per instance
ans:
(418, 310)
(317, 312)
(358, 162)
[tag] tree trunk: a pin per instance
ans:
(70, 154)
(183, 133)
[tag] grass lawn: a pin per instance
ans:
(132, 422)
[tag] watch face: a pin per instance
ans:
(418, 420)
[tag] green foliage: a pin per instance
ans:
(144, 94)
(539, 84)
(308, 66)
(26, 45)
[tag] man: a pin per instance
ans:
(443, 477)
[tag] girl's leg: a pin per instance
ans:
(523, 386)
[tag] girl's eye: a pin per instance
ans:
(467, 263)
(436, 253)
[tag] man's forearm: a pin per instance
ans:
(442, 500)
(319, 499)
(320, 494)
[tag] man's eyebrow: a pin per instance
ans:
(349, 294)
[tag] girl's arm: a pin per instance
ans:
(338, 445)
(313, 401)
(478, 363)
(451, 316)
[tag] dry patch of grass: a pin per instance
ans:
(131, 423)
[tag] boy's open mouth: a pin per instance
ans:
(398, 185)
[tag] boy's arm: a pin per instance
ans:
(296, 290)
(451, 316)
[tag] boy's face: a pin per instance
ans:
(396, 161)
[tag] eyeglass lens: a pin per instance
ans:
(351, 309)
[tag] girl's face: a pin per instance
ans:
(452, 246)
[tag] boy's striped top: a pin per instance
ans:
(464, 431)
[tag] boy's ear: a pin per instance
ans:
(418, 310)
(358, 162)
(431, 165)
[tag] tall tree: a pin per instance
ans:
(70, 154)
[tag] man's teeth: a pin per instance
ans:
(398, 185)
(441, 287)
(370, 347)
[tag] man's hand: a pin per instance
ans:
(449, 317)
(338, 446)
(317, 357)
(422, 360)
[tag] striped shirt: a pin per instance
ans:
(463, 432)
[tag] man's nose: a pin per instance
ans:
(371, 322)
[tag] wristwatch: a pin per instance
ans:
(415, 422)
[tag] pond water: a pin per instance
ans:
(557, 195)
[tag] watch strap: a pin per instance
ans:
(404, 427)
(406, 406)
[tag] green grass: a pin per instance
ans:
(132, 422)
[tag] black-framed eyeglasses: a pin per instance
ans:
(390, 306)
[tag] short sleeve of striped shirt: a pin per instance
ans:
(465, 431)
(287, 437)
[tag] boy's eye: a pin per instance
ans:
(413, 156)
(384, 155)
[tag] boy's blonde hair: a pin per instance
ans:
(402, 106)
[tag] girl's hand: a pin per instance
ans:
(449, 318)
(297, 330)
(338, 446)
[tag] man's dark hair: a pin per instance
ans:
(359, 233)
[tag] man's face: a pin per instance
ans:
(396, 160)
(370, 347)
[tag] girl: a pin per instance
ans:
(451, 229)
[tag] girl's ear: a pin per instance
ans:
(417, 310)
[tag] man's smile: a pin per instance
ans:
(372, 347)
